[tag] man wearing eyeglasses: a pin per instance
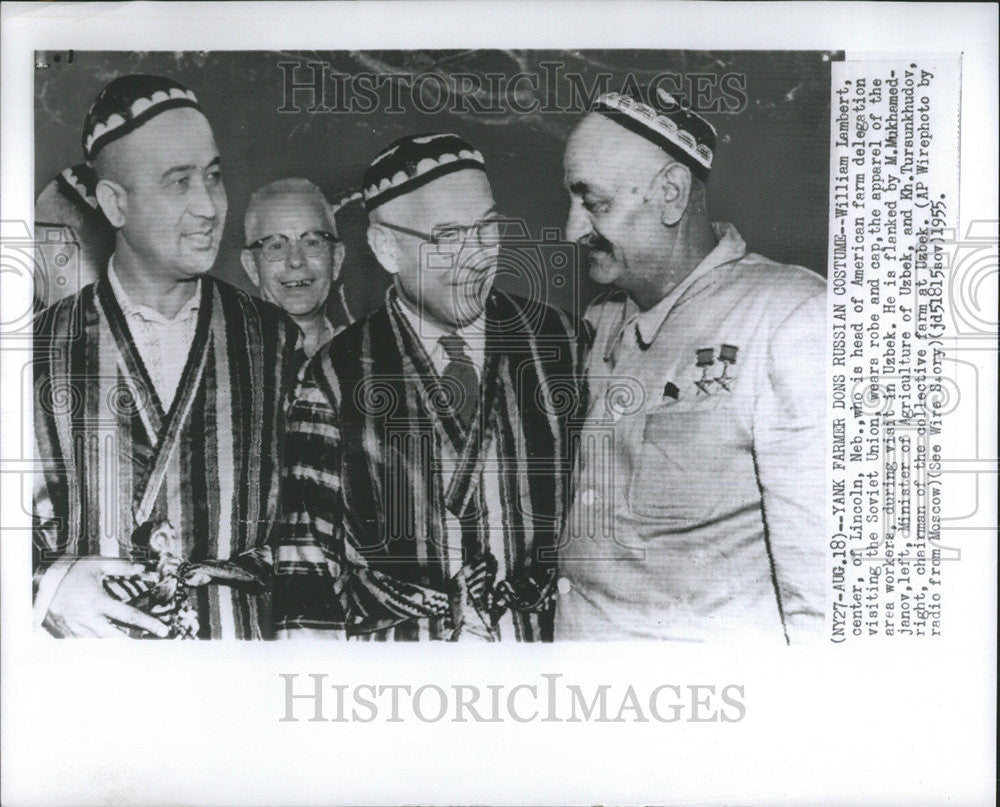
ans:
(293, 255)
(427, 449)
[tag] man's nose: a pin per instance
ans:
(577, 224)
(295, 257)
(475, 257)
(201, 202)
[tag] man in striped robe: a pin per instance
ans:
(159, 399)
(427, 446)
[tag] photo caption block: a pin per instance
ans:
(893, 203)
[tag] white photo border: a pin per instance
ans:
(105, 722)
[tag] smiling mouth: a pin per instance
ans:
(201, 237)
(296, 284)
(595, 242)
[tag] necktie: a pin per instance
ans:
(460, 377)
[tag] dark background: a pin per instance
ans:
(769, 176)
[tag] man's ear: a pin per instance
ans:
(383, 245)
(113, 201)
(250, 267)
(674, 182)
(338, 259)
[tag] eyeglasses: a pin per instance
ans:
(489, 231)
(311, 244)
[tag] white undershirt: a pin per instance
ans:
(430, 333)
(163, 344)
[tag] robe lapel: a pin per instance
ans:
(472, 444)
(465, 481)
(419, 371)
(468, 472)
(128, 359)
(165, 428)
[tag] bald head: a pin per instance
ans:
(286, 194)
(622, 157)
(122, 158)
(632, 205)
(112, 162)
(161, 186)
(599, 142)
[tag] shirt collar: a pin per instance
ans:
(474, 333)
(730, 247)
(326, 332)
(129, 308)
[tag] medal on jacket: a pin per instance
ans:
(727, 355)
(704, 358)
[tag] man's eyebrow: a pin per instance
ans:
(581, 188)
(493, 209)
(187, 169)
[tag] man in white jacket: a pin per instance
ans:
(698, 512)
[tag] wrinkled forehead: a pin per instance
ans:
(601, 151)
(290, 213)
(175, 138)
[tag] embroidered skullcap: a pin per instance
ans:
(683, 134)
(411, 162)
(79, 184)
(70, 200)
(127, 103)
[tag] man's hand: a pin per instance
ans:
(81, 607)
(471, 600)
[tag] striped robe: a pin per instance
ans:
(102, 435)
(386, 494)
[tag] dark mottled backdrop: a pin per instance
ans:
(769, 178)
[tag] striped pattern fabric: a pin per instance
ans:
(387, 495)
(99, 425)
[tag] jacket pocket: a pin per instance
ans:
(679, 464)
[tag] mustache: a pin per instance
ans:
(595, 242)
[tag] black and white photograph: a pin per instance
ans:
(672, 356)
(515, 334)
